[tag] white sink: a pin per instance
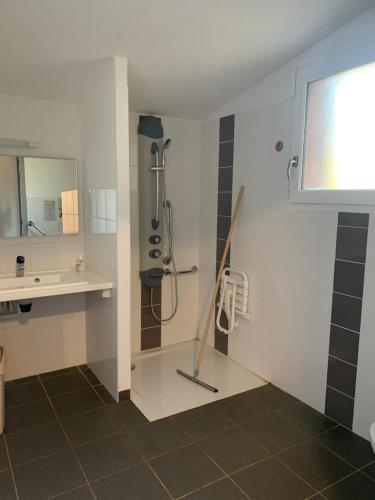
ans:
(45, 283)
(28, 281)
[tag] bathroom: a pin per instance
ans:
(94, 324)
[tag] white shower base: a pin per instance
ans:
(158, 391)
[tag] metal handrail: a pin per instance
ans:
(31, 224)
(192, 270)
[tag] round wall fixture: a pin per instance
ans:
(154, 239)
(154, 254)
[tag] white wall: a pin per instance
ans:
(287, 250)
(183, 186)
(280, 85)
(107, 168)
(289, 254)
(50, 337)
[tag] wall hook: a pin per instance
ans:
(293, 163)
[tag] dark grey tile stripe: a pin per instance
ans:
(224, 205)
(350, 260)
(150, 328)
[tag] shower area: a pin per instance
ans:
(168, 307)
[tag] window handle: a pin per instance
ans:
(292, 163)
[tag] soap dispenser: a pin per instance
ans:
(80, 264)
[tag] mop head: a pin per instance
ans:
(194, 378)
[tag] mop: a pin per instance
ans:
(195, 377)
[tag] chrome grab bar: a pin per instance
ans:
(167, 205)
(192, 270)
(31, 224)
(157, 169)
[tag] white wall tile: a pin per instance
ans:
(368, 317)
(365, 386)
(364, 416)
(366, 353)
(134, 177)
(110, 204)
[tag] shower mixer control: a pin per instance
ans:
(154, 239)
(155, 253)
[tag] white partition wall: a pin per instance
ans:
(107, 243)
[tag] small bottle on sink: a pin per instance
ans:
(80, 264)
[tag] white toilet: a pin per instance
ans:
(372, 435)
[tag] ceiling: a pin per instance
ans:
(186, 57)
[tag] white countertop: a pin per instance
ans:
(50, 283)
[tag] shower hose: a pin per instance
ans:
(173, 263)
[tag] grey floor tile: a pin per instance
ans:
(68, 382)
(221, 490)
(126, 414)
(370, 471)
(203, 421)
(23, 380)
(48, 476)
(20, 394)
(356, 487)
(4, 463)
(58, 372)
(73, 403)
(27, 416)
(244, 407)
(138, 483)
(104, 394)
(7, 491)
(185, 470)
(102, 422)
(315, 464)
(82, 493)
(233, 449)
(91, 377)
(271, 480)
(274, 433)
(90, 426)
(36, 443)
(348, 446)
(274, 398)
(107, 456)
(307, 419)
(152, 439)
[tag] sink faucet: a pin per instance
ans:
(20, 266)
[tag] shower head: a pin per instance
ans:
(166, 145)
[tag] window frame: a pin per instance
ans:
(317, 70)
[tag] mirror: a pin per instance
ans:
(38, 196)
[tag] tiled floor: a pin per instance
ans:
(158, 391)
(66, 439)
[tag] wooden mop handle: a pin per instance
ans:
(218, 279)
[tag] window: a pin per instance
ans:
(334, 133)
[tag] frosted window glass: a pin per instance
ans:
(339, 150)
